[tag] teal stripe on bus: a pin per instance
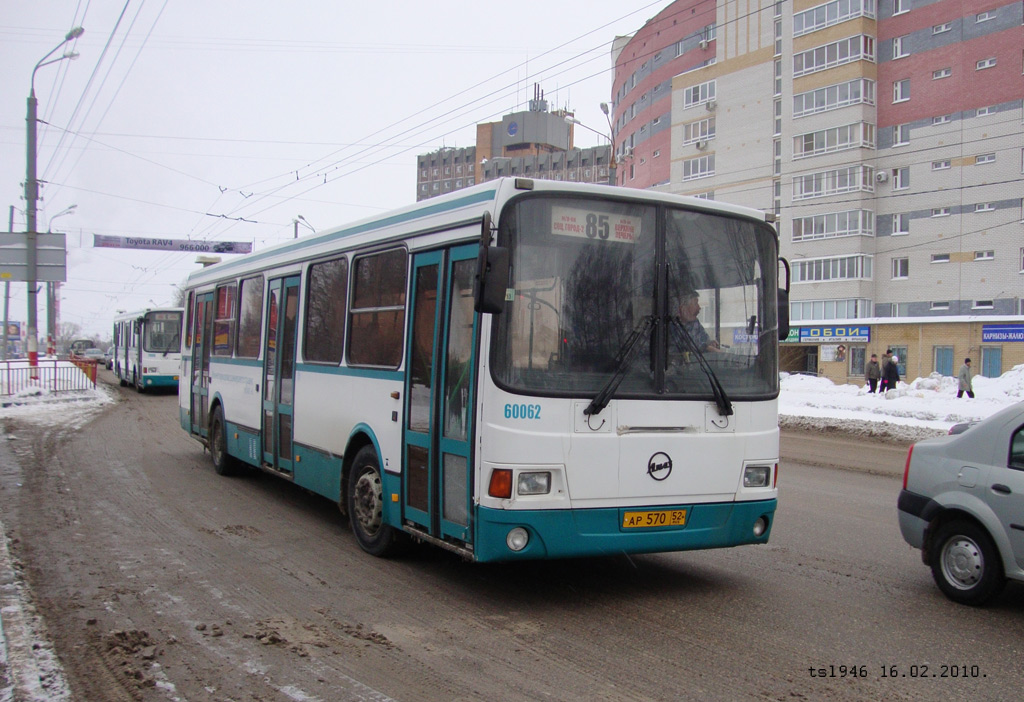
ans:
(316, 240)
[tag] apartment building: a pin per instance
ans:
(886, 135)
(533, 143)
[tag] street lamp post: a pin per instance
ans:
(304, 222)
(32, 193)
(611, 142)
(611, 131)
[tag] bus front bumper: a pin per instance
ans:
(600, 532)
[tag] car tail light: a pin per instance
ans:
(906, 469)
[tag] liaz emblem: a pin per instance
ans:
(659, 466)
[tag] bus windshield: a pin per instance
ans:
(680, 302)
(163, 332)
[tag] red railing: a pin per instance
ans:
(51, 375)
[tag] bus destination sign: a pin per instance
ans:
(601, 226)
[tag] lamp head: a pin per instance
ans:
(604, 107)
(74, 34)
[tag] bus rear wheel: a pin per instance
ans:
(223, 462)
(366, 506)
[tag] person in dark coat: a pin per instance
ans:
(891, 373)
(873, 373)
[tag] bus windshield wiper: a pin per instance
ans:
(623, 360)
(721, 399)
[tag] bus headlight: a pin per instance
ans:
(517, 539)
(534, 483)
(756, 476)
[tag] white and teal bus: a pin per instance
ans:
(147, 347)
(504, 372)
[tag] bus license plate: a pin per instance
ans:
(659, 518)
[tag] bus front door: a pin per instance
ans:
(202, 338)
(439, 394)
(279, 373)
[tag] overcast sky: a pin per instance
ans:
(220, 121)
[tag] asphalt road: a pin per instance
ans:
(159, 580)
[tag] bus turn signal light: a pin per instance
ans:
(501, 484)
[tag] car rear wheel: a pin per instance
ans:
(965, 563)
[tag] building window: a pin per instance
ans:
(940, 258)
(901, 224)
(829, 14)
(984, 255)
(984, 207)
(901, 135)
(942, 119)
(833, 225)
(986, 63)
(941, 28)
(940, 212)
(942, 73)
(834, 182)
(900, 268)
(940, 306)
(820, 58)
(810, 310)
(900, 47)
(985, 111)
(656, 154)
(857, 267)
(901, 90)
(699, 94)
(985, 158)
(848, 136)
(833, 97)
(985, 16)
(700, 167)
(701, 130)
(901, 178)
(900, 6)
(983, 305)
(940, 165)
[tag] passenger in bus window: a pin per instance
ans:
(689, 309)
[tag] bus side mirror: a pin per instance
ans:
(492, 273)
(783, 304)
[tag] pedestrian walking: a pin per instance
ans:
(873, 373)
(883, 384)
(965, 380)
(891, 373)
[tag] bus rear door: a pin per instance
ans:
(279, 373)
(202, 339)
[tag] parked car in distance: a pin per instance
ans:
(93, 354)
(108, 358)
(962, 504)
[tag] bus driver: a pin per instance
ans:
(689, 308)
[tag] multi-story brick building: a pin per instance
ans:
(886, 135)
(535, 143)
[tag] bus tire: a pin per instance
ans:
(366, 506)
(121, 380)
(139, 387)
(223, 462)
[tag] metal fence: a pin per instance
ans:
(51, 375)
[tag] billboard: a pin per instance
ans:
(184, 245)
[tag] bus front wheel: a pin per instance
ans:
(366, 505)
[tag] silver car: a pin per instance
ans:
(962, 504)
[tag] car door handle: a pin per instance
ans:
(1001, 489)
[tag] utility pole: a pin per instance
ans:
(32, 195)
(7, 290)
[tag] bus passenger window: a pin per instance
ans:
(377, 317)
(324, 335)
(250, 317)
